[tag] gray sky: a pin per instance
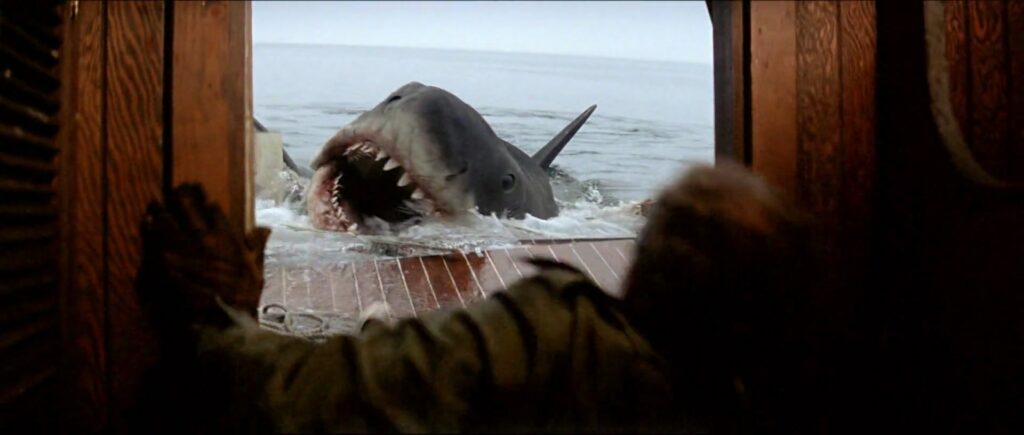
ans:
(661, 30)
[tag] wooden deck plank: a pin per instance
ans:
(343, 287)
(411, 286)
(296, 291)
(541, 252)
(464, 277)
(273, 286)
(567, 255)
(368, 285)
(421, 289)
(521, 256)
(396, 292)
(602, 274)
(443, 283)
(486, 274)
(504, 266)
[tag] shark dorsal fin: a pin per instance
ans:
(546, 155)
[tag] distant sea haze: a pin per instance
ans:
(653, 119)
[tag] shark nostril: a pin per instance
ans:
(393, 98)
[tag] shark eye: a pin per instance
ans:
(508, 182)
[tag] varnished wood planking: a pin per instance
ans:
(273, 285)
(465, 278)
(412, 286)
(521, 255)
(346, 299)
(488, 277)
(818, 103)
(603, 275)
(321, 292)
(442, 281)
(729, 49)
(396, 291)
(958, 56)
(212, 109)
(82, 183)
(296, 291)
(857, 51)
(421, 290)
(989, 85)
(368, 286)
(773, 92)
(1015, 29)
(134, 69)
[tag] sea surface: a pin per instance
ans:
(653, 120)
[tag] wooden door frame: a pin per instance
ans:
(156, 93)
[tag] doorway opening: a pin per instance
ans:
(529, 69)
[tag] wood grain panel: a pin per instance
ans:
(773, 92)
(212, 104)
(818, 103)
(133, 179)
(729, 57)
(989, 86)
(1015, 29)
(858, 48)
(958, 56)
(84, 290)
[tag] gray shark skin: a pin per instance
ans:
(424, 152)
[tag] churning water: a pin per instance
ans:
(653, 120)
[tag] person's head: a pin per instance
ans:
(718, 284)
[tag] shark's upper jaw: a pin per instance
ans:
(363, 179)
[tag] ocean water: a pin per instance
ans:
(653, 120)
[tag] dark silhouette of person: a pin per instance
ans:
(708, 337)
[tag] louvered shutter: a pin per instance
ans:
(29, 322)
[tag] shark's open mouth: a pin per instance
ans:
(424, 152)
(364, 183)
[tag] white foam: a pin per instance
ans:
(295, 241)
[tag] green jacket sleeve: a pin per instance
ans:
(552, 352)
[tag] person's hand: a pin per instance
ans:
(193, 257)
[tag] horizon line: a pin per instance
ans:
(591, 56)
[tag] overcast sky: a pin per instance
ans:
(660, 30)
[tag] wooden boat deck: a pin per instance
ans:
(332, 298)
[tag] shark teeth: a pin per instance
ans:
(405, 180)
(417, 194)
(381, 154)
(391, 164)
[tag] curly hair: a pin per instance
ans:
(718, 286)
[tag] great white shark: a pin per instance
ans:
(423, 151)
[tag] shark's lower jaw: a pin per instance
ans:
(364, 184)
